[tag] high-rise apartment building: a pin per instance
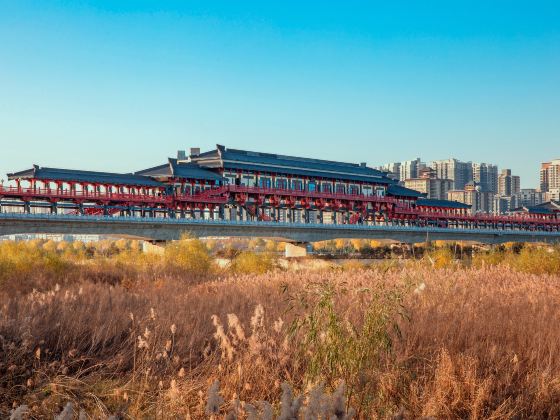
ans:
(459, 172)
(550, 175)
(508, 184)
(506, 203)
(480, 201)
(393, 170)
(530, 197)
(403, 170)
(553, 194)
(429, 184)
(410, 169)
(486, 176)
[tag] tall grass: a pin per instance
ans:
(351, 343)
(115, 331)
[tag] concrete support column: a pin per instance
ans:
(153, 247)
(298, 249)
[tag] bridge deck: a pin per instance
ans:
(169, 229)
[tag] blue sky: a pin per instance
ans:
(121, 85)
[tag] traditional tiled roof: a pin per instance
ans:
(430, 202)
(67, 175)
(305, 172)
(400, 191)
(534, 210)
(551, 205)
(176, 169)
(538, 210)
(192, 171)
(267, 162)
(156, 171)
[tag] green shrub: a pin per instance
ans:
(335, 348)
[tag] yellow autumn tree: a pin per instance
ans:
(189, 255)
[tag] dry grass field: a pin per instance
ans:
(115, 332)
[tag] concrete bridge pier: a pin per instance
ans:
(153, 247)
(298, 249)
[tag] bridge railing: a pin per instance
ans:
(308, 194)
(489, 218)
(79, 195)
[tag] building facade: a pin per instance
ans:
(530, 197)
(393, 170)
(486, 176)
(428, 184)
(508, 184)
(480, 201)
(460, 173)
(553, 194)
(410, 169)
(505, 204)
(550, 175)
(400, 171)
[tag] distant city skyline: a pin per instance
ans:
(119, 164)
(115, 85)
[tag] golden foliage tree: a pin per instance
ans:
(189, 255)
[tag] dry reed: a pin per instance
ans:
(477, 342)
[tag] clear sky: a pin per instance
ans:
(121, 85)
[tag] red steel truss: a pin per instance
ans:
(258, 202)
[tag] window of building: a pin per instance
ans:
(297, 184)
(340, 189)
(326, 187)
(282, 184)
(311, 186)
(248, 181)
(354, 189)
(264, 182)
